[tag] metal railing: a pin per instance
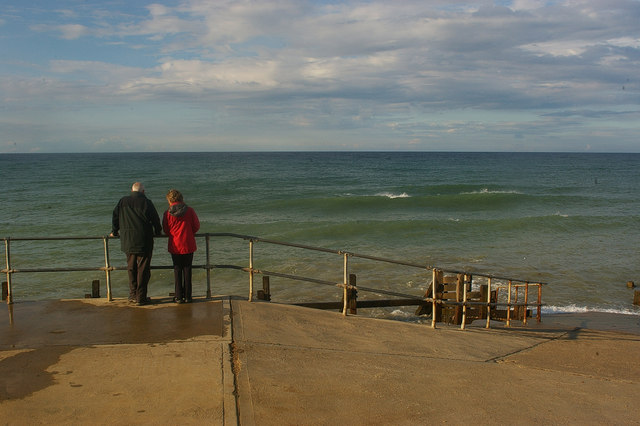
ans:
(345, 285)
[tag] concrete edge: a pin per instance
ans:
(229, 392)
(243, 385)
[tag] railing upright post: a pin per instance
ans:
(250, 270)
(208, 267)
(7, 255)
(509, 306)
(346, 283)
(539, 312)
(464, 303)
(526, 301)
(488, 302)
(107, 267)
(433, 297)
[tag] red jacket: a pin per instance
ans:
(181, 223)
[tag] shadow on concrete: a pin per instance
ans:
(26, 372)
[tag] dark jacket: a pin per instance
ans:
(180, 222)
(136, 220)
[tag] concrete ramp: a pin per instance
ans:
(229, 362)
(304, 366)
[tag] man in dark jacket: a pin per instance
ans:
(136, 221)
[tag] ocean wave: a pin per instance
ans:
(401, 202)
(488, 191)
(392, 196)
(575, 309)
(401, 314)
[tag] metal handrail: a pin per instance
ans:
(108, 268)
(369, 257)
(263, 240)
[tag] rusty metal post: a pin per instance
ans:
(7, 253)
(346, 283)
(539, 313)
(250, 270)
(265, 293)
(107, 267)
(353, 294)
(95, 289)
(208, 268)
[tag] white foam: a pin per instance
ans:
(392, 196)
(401, 314)
(573, 309)
(487, 191)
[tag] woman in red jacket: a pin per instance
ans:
(181, 223)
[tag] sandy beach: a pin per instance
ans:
(229, 361)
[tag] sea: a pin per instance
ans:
(569, 221)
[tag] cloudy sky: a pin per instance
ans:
(209, 75)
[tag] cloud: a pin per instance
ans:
(73, 31)
(341, 66)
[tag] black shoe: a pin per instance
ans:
(146, 301)
(178, 301)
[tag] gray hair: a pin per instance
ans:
(137, 187)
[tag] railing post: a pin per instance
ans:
(208, 267)
(250, 270)
(516, 308)
(526, 300)
(509, 306)
(107, 266)
(346, 283)
(539, 312)
(464, 303)
(488, 302)
(433, 297)
(7, 255)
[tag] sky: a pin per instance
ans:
(289, 75)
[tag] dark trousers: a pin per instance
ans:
(139, 268)
(182, 275)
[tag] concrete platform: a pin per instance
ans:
(96, 362)
(233, 362)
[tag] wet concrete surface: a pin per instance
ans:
(91, 361)
(97, 321)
